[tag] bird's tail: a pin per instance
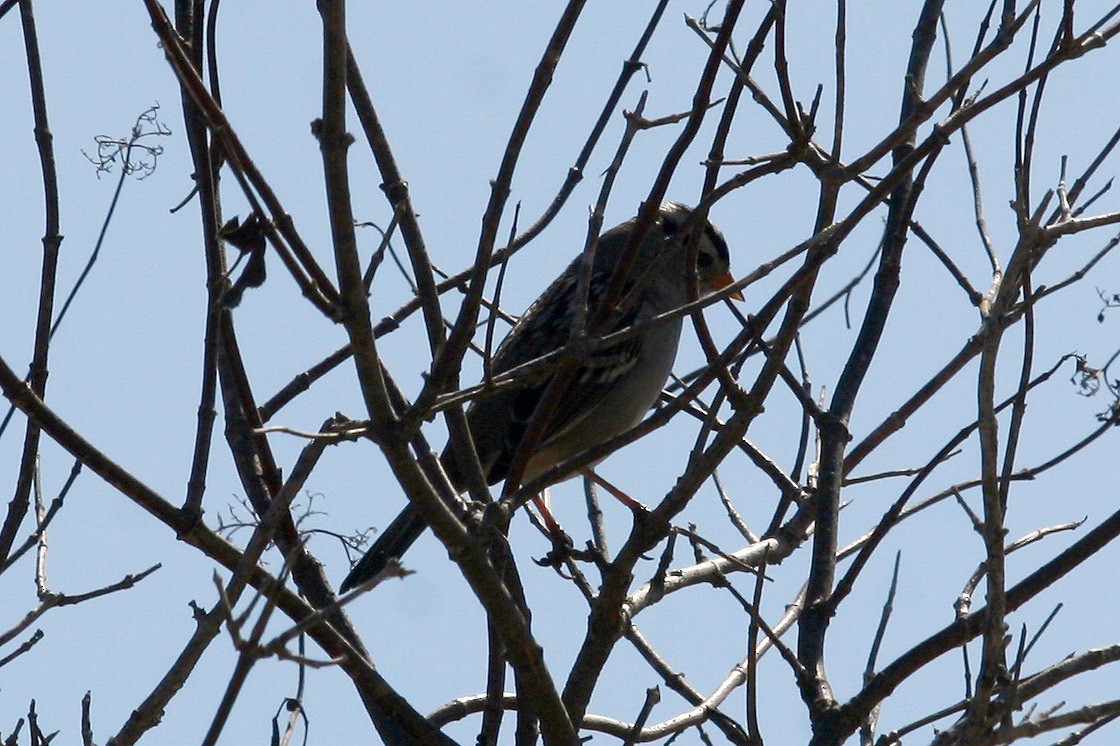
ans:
(393, 542)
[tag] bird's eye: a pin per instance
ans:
(668, 225)
(703, 260)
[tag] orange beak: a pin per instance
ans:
(719, 282)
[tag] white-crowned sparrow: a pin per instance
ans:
(611, 390)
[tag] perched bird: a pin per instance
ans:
(611, 390)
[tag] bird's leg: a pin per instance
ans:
(561, 543)
(546, 515)
(618, 494)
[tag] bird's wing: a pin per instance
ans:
(544, 328)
